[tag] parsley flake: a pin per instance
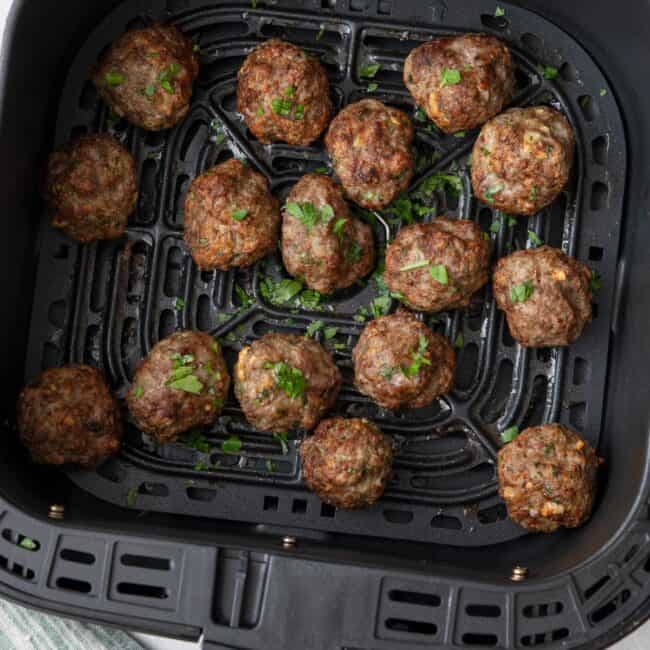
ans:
(28, 544)
(321, 32)
(509, 434)
(314, 327)
(138, 392)
(369, 70)
(231, 445)
(282, 439)
(534, 238)
(114, 78)
(239, 215)
(308, 214)
(289, 379)
(419, 264)
(459, 341)
(596, 282)
(449, 77)
(418, 357)
(439, 273)
(549, 72)
(372, 87)
(179, 304)
(499, 11)
(521, 292)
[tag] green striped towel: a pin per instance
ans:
(26, 629)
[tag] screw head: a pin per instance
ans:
(288, 541)
(519, 573)
(56, 511)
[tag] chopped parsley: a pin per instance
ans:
(314, 327)
(244, 298)
(521, 292)
(287, 106)
(418, 357)
(330, 333)
(188, 384)
(460, 134)
(549, 72)
(308, 214)
(309, 299)
(337, 228)
(459, 341)
(532, 195)
(282, 439)
(28, 544)
(167, 76)
(495, 226)
(289, 379)
(509, 434)
(260, 111)
(321, 32)
(131, 497)
(439, 273)
(369, 70)
(603, 92)
(114, 78)
(486, 152)
(534, 238)
(596, 282)
(372, 87)
(231, 445)
(149, 90)
(449, 77)
(181, 377)
(239, 215)
(419, 264)
(138, 392)
(354, 252)
(321, 170)
(440, 181)
(499, 11)
(196, 440)
(179, 304)
(491, 191)
(270, 465)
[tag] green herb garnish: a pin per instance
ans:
(179, 304)
(449, 77)
(491, 191)
(321, 170)
(549, 72)
(534, 238)
(309, 215)
(596, 282)
(289, 379)
(321, 32)
(131, 497)
(372, 87)
(149, 90)
(499, 11)
(138, 392)
(231, 445)
(418, 358)
(510, 434)
(189, 384)
(28, 544)
(440, 181)
(521, 292)
(330, 333)
(369, 70)
(439, 273)
(459, 341)
(419, 264)
(282, 439)
(314, 327)
(239, 215)
(279, 292)
(196, 440)
(114, 78)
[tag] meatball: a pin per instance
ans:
(68, 415)
(147, 74)
(181, 384)
(522, 159)
(285, 381)
(91, 188)
(439, 265)
(347, 462)
(460, 81)
(547, 477)
(545, 294)
(400, 362)
(322, 242)
(370, 147)
(231, 218)
(283, 94)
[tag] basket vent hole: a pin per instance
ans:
(473, 638)
(72, 584)
(495, 406)
(146, 562)
(506, 337)
(594, 310)
(201, 494)
(600, 149)
(444, 521)
(78, 557)
(50, 355)
(493, 514)
(610, 607)
(543, 355)
(631, 553)
(358, 5)
(88, 97)
(532, 43)
(182, 184)
(167, 323)
(146, 591)
(174, 271)
(299, 506)
(466, 366)
(577, 413)
(398, 516)
(147, 193)
(62, 252)
(588, 107)
(112, 471)
(17, 569)
(414, 597)
(271, 503)
(495, 22)
(328, 4)
(543, 610)
(326, 510)
(540, 638)
(485, 611)
(599, 195)
(154, 489)
(568, 72)
(595, 253)
(598, 585)
(411, 627)
(56, 313)
(22, 541)
(155, 138)
(385, 7)
(203, 320)
(580, 371)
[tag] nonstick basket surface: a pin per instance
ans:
(107, 304)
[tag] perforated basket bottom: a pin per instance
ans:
(108, 303)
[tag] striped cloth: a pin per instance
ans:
(26, 629)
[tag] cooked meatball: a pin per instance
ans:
(283, 94)
(147, 74)
(460, 81)
(547, 477)
(438, 265)
(399, 362)
(522, 159)
(181, 384)
(545, 294)
(231, 218)
(91, 187)
(347, 462)
(322, 242)
(370, 147)
(285, 381)
(68, 415)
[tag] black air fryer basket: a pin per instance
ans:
(185, 542)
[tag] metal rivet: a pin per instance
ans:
(519, 573)
(57, 511)
(288, 541)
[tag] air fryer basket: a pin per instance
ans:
(108, 303)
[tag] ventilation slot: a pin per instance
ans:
(271, 503)
(154, 489)
(595, 253)
(443, 521)
(398, 516)
(588, 107)
(494, 22)
(71, 584)
(299, 506)
(326, 510)
(541, 638)
(16, 569)
(597, 586)
(493, 514)
(610, 607)
(472, 638)
(144, 591)
(542, 610)
(78, 557)
(146, 562)
(580, 371)
(486, 611)
(414, 598)
(201, 494)
(411, 627)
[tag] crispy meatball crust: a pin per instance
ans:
(91, 187)
(559, 307)
(68, 415)
(457, 245)
(147, 75)
(266, 403)
(182, 383)
(216, 238)
(347, 462)
(370, 147)
(522, 159)
(283, 94)
(399, 362)
(486, 85)
(547, 477)
(332, 253)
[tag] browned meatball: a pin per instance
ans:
(460, 81)
(370, 147)
(231, 218)
(182, 383)
(91, 187)
(522, 159)
(399, 362)
(68, 415)
(546, 296)
(147, 75)
(322, 242)
(547, 477)
(283, 94)
(347, 462)
(285, 381)
(439, 265)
